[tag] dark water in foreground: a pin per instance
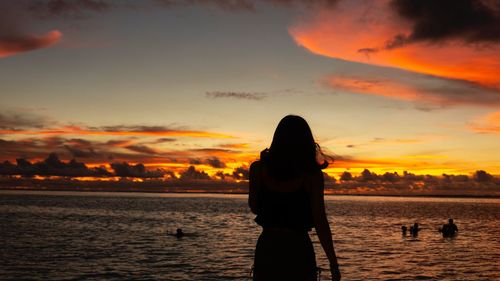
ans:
(117, 236)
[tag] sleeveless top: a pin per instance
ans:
(284, 209)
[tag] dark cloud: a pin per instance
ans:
(51, 166)
(236, 95)
(78, 148)
(22, 123)
(215, 162)
(195, 161)
(118, 143)
(134, 128)
(21, 120)
(135, 171)
(246, 5)
(81, 153)
(392, 183)
(46, 9)
(346, 176)
(472, 21)
(368, 51)
(241, 173)
(227, 5)
(38, 148)
(192, 174)
(141, 149)
(163, 140)
(482, 176)
(79, 142)
(212, 161)
(12, 149)
(305, 3)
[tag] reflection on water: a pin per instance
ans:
(118, 236)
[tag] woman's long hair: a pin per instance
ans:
(293, 150)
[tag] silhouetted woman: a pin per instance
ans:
(286, 194)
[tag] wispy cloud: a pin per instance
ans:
(227, 5)
(420, 89)
(248, 5)
(12, 120)
(234, 145)
(389, 141)
(118, 131)
(236, 95)
(47, 9)
(488, 124)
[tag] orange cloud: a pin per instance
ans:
(418, 89)
(120, 131)
(235, 145)
(13, 45)
(368, 86)
(362, 31)
(489, 124)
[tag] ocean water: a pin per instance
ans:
(118, 236)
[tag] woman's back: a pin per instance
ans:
(283, 204)
(286, 193)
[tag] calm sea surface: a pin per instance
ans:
(117, 236)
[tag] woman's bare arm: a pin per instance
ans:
(316, 187)
(254, 185)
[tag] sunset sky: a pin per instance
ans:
(385, 85)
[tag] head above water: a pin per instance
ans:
(293, 150)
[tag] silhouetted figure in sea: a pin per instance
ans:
(286, 194)
(404, 229)
(414, 229)
(178, 233)
(449, 229)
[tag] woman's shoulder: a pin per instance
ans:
(255, 169)
(256, 165)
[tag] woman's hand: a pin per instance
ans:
(334, 269)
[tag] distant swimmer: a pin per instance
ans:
(414, 229)
(178, 233)
(403, 230)
(449, 229)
